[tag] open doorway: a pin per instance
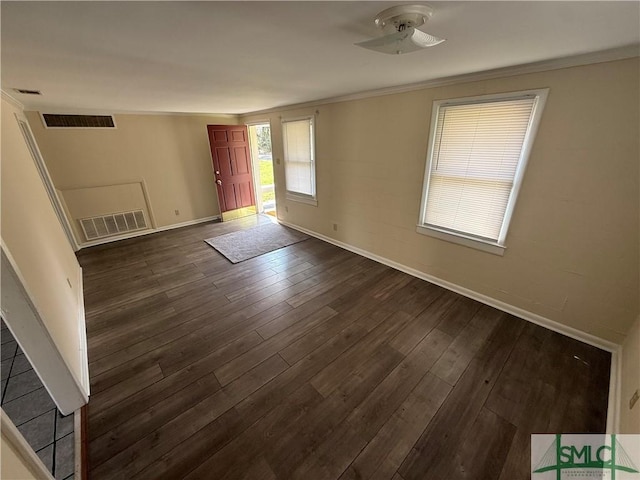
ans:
(260, 142)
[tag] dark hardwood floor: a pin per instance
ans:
(313, 362)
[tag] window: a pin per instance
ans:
(299, 159)
(478, 151)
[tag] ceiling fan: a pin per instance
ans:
(402, 21)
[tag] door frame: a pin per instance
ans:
(256, 166)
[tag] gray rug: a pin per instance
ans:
(245, 244)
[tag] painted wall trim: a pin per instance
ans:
(38, 160)
(611, 55)
(92, 111)
(505, 307)
(11, 100)
(34, 338)
(143, 189)
(126, 236)
(615, 397)
(82, 337)
(21, 448)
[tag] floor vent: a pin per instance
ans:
(78, 121)
(113, 224)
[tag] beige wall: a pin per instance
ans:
(14, 467)
(630, 358)
(572, 249)
(34, 237)
(18, 461)
(170, 153)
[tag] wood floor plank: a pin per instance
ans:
(177, 462)
(238, 366)
(125, 389)
(489, 433)
(122, 434)
(128, 462)
(422, 324)
(232, 460)
(434, 453)
(288, 453)
(276, 392)
(313, 362)
(472, 337)
(341, 447)
(113, 339)
(385, 453)
(148, 397)
(333, 375)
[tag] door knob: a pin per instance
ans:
(219, 182)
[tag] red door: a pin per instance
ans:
(232, 166)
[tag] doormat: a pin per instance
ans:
(253, 242)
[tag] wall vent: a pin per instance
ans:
(113, 224)
(25, 91)
(78, 121)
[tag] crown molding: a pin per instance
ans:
(97, 111)
(602, 56)
(11, 100)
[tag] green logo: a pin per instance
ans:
(605, 457)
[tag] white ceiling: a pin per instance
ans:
(237, 57)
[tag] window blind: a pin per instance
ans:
(476, 153)
(299, 156)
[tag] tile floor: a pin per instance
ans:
(31, 409)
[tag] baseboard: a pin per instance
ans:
(188, 223)
(613, 407)
(505, 307)
(141, 233)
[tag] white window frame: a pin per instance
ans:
(498, 247)
(297, 196)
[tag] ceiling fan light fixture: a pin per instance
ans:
(406, 41)
(407, 15)
(403, 21)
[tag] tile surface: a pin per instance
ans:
(5, 368)
(22, 384)
(39, 431)
(46, 455)
(28, 406)
(64, 425)
(20, 365)
(31, 409)
(8, 350)
(5, 335)
(64, 457)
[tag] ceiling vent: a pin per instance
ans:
(25, 91)
(78, 121)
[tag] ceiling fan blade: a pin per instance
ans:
(409, 40)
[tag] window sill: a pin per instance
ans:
(484, 246)
(302, 199)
